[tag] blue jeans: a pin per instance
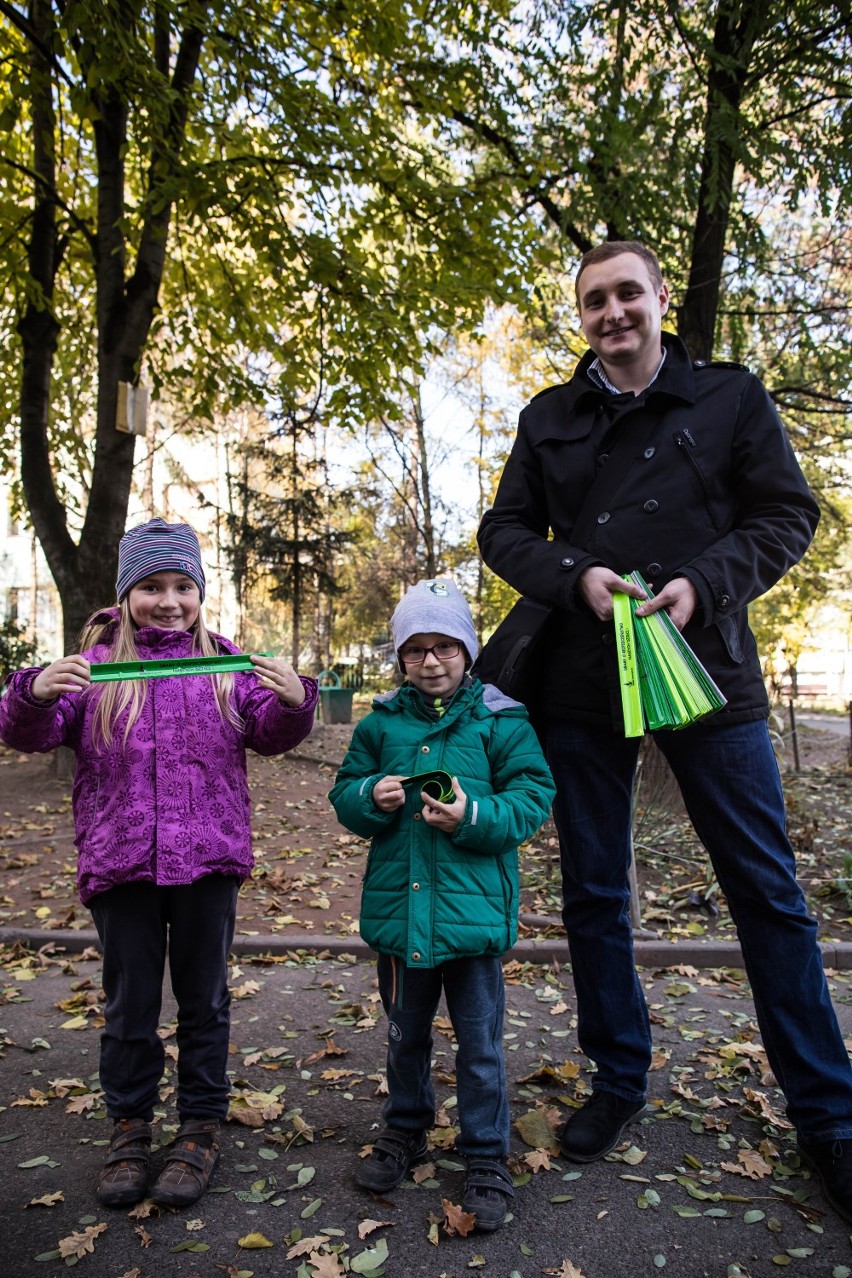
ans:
(475, 1001)
(137, 923)
(730, 784)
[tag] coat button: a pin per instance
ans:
(415, 956)
(424, 749)
(603, 458)
(415, 887)
(653, 569)
(649, 453)
(566, 563)
(724, 600)
(651, 506)
(603, 517)
(417, 816)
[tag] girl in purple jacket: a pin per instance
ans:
(162, 820)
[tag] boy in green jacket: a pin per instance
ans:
(440, 896)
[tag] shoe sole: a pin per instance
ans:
(121, 1200)
(571, 1157)
(843, 1212)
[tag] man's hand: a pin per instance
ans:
(679, 598)
(68, 674)
(597, 586)
(388, 794)
(444, 816)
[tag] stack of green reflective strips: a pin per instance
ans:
(663, 684)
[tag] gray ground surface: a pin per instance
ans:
(708, 1184)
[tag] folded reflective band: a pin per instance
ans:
(109, 671)
(438, 785)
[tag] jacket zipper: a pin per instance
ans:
(684, 440)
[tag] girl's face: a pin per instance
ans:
(167, 600)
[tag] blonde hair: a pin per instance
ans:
(129, 694)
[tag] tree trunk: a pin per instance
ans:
(430, 558)
(85, 573)
(738, 24)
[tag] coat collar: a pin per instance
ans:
(569, 410)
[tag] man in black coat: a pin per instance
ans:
(647, 459)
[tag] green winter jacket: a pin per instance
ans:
(429, 896)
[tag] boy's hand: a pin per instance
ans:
(279, 677)
(388, 794)
(444, 816)
(68, 674)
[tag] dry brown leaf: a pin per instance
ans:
(81, 1104)
(566, 1270)
(144, 1209)
(47, 1200)
(424, 1172)
(77, 1244)
(306, 1245)
(750, 1164)
(370, 1226)
(142, 1234)
(538, 1160)
(326, 1265)
(457, 1221)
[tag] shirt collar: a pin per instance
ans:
(596, 373)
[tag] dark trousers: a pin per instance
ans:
(475, 996)
(138, 923)
(729, 780)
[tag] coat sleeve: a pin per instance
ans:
(523, 792)
(352, 793)
(34, 726)
(271, 726)
(513, 536)
(776, 514)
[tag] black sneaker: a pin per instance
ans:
(394, 1152)
(596, 1129)
(488, 1192)
(832, 1162)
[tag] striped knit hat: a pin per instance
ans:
(158, 547)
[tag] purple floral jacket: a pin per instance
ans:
(173, 805)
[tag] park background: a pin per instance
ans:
(288, 273)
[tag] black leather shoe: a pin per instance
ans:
(394, 1152)
(832, 1162)
(596, 1129)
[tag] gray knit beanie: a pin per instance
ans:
(158, 547)
(434, 607)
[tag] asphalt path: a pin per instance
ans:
(707, 1185)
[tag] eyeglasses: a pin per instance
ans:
(413, 655)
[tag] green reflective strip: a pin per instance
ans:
(628, 677)
(437, 784)
(112, 671)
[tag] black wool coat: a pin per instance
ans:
(703, 484)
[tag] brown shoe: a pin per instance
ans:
(189, 1164)
(124, 1175)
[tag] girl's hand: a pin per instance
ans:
(388, 794)
(280, 678)
(68, 674)
(444, 816)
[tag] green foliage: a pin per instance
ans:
(16, 651)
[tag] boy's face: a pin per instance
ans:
(439, 673)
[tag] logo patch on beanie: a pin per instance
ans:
(438, 588)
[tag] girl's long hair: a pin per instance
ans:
(129, 694)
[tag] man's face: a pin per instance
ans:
(621, 310)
